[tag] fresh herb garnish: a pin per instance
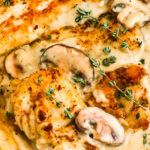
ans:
(43, 49)
(50, 98)
(79, 80)
(67, 27)
(82, 14)
(137, 116)
(102, 72)
(110, 17)
(58, 103)
(38, 40)
(8, 114)
(128, 95)
(108, 61)
(49, 92)
(112, 59)
(112, 83)
(144, 138)
(39, 79)
(90, 21)
(45, 54)
(116, 33)
(121, 105)
(49, 37)
(67, 113)
(139, 43)
(125, 31)
(105, 26)
(107, 50)
(124, 44)
(95, 63)
(142, 61)
(7, 3)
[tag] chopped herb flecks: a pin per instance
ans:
(45, 54)
(144, 138)
(139, 42)
(102, 72)
(137, 116)
(105, 26)
(128, 94)
(116, 33)
(49, 37)
(112, 59)
(8, 114)
(112, 83)
(67, 113)
(82, 14)
(142, 61)
(38, 40)
(125, 31)
(58, 103)
(107, 50)
(95, 63)
(124, 44)
(7, 3)
(39, 79)
(49, 92)
(43, 49)
(108, 61)
(121, 105)
(79, 80)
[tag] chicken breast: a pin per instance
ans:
(36, 100)
(113, 101)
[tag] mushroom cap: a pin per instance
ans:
(108, 128)
(70, 59)
(131, 13)
(19, 63)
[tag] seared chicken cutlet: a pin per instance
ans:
(128, 79)
(36, 100)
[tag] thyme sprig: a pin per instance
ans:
(82, 14)
(128, 94)
(115, 35)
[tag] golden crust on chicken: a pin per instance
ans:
(113, 101)
(36, 100)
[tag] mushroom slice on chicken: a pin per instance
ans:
(131, 13)
(69, 59)
(19, 63)
(108, 129)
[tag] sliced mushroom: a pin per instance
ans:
(107, 129)
(131, 13)
(19, 63)
(69, 59)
